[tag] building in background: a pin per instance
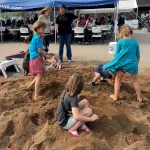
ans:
(144, 6)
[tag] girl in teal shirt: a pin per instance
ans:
(126, 59)
(36, 63)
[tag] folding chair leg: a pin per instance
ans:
(16, 67)
(83, 41)
(4, 73)
(91, 40)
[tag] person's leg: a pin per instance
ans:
(136, 84)
(44, 44)
(118, 78)
(32, 83)
(61, 46)
(84, 112)
(48, 38)
(86, 35)
(37, 85)
(97, 76)
(68, 46)
(83, 104)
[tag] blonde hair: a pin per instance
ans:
(38, 24)
(47, 8)
(75, 84)
(125, 31)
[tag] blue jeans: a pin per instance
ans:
(65, 39)
(46, 42)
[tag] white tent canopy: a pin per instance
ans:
(123, 6)
(127, 4)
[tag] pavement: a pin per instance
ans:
(91, 54)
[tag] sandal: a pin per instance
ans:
(85, 128)
(73, 132)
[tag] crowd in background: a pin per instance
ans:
(14, 22)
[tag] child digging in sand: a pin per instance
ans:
(71, 114)
(126, 59)
(102, 74)
(56, 63)
(36, 57)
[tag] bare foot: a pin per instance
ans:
(38, 97)
(113, 97)
(142, 99)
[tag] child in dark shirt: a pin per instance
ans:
(101, 73)
(72, 114)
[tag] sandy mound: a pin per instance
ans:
(31, 125)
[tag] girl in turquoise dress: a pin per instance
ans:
(126, 59)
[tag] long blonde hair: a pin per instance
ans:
(75, 84)
(42, 12)
(125, 31)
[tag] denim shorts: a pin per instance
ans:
(70, 123)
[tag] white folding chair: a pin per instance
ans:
(134, 24)
(79, 33)
(7, 63)
(96, 33)
(109, 32)
(24, 33)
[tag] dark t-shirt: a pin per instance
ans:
(69, 103)
(64, 23)
(121, 21)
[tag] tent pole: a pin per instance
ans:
(116, 21)
(55, 23)
(1, 25)
(137, 13)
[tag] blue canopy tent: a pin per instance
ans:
(80, 3)
(24, 4)
(30, 4)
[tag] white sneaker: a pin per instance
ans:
(69, 61)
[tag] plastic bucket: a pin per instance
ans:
(112, 47)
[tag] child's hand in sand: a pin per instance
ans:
(94, 117)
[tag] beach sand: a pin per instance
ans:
(31, 125)
(26, 124)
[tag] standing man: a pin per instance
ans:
(64, 29)
(143, 16)
(121, 21)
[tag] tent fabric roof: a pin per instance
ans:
(124, 6)
(24, 4)
(77, 3)
(29, 4)
(127, 4)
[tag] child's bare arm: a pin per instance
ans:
(44, 54)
